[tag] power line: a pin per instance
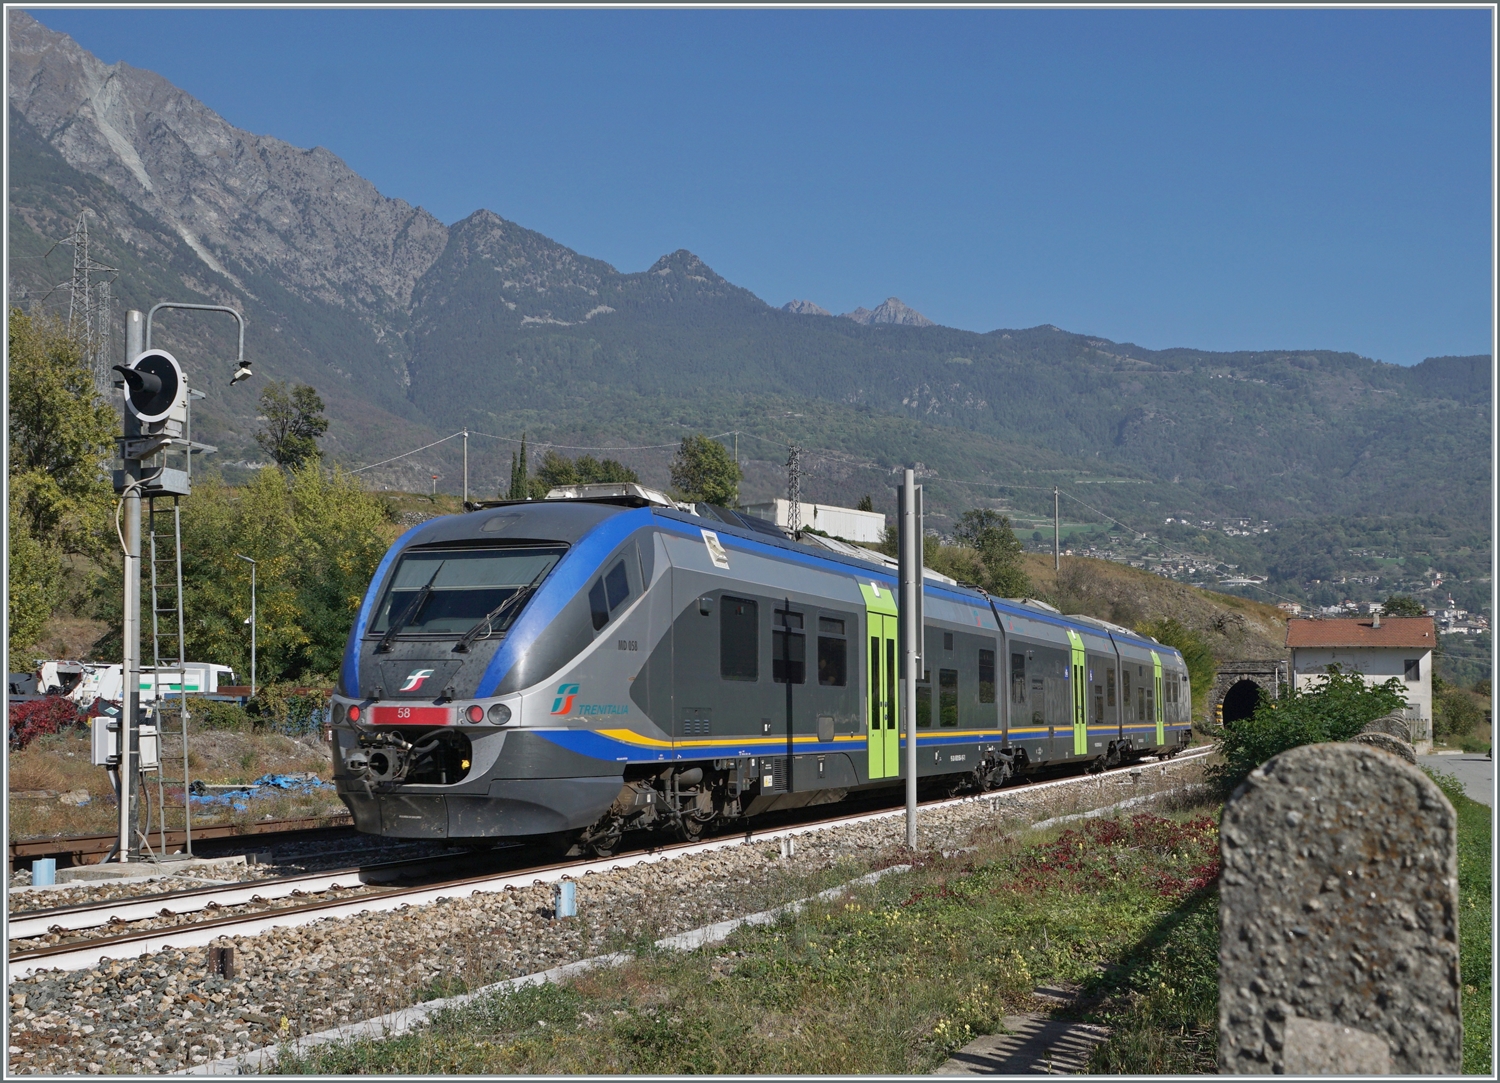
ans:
(404, 454)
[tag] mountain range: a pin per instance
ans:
(411, 329)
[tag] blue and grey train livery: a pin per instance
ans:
(580, 667)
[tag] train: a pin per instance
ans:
(609, 659)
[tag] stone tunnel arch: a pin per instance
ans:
(1237, 687)
(1240, 701)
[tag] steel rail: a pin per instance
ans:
(81, 954)
(33, 923)
(90, 845)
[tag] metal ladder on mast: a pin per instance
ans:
(168, 631)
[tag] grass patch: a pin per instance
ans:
(1475, 913)
(888, 979)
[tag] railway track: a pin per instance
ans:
(88, 849)
(79, 954)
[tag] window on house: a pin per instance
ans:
(739, 639)
(1414, 670)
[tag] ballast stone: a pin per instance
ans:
(1338, 908)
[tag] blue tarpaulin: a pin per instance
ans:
(266, 786)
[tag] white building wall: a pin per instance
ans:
(848, 523)
(1376, 664)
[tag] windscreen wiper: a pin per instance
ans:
(411, 612)
(487, 624)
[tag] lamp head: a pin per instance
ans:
(241, 372)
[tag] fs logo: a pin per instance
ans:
(415, 679)
(566, 694)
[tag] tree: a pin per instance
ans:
(62, 436)
(972, 524)
(317, 538)
(865, 503)
(1402, 605)
(1202, 667)
(60, 441)
(999, 549)
(585, 470)
(294, 422)
(523, 486)
(704, 471)
(1336, 710)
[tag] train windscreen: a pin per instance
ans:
(444, 592)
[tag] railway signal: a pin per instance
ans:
(157, 433)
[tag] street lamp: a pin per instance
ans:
(251, 622)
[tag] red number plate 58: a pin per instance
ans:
(413, 716)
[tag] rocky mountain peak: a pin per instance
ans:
(889, 311)
(245, 204)
(806, 308)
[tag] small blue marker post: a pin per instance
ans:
(44, 872)
(565, 899)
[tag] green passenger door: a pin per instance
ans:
(1079, 685)
(1160, 712)
(883, 741)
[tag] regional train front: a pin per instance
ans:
(464, 621)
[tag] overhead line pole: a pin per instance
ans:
(1056, 532)
(909, 624)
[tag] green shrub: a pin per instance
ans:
(1455, 714)
(1201, 665)
(280, 707)
(1335, 711)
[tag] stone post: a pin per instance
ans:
(1338, 918)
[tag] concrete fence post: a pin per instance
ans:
(1338, 918)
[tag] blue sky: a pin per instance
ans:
(1218, 179)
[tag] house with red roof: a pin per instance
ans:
(1378, 648)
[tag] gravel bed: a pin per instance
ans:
(156, 1013)
(97, 891)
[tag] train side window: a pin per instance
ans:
(1018, 678)
(617, 586)
(1109, 686)
(947, 641)
(1098, 703)
(986, 676)
(833, 660)
(788, 649)
(598, 606)
(831, 624)
(924, 701)
(1125, 692)
(948, 697)
(739, 639)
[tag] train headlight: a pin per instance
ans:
(499, 713)
(338, 713)
(475, 713)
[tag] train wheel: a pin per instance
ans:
(689, 829)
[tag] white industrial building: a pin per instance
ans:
(847, 523)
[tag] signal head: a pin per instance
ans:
(154, 387)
